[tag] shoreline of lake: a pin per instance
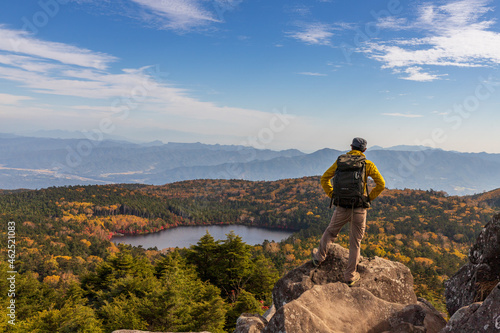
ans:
(123, 233)
(185, 236)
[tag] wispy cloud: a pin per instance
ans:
(130, 87)
(311, 74)
(391, 22)
(458, 34)
(176, 14)
(15, 41)
(417, 74)
(440, 113)
(404, 115)
(446, 17)
(12, 99)
(151, 101)
(299, 9)
(313, 33)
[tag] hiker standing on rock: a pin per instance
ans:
(351, 197)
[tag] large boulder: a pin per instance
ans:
(335, 307)
(388, 280)
(475, 280)
(314, 299)
(478, 317)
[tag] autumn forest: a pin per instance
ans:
(71, 277)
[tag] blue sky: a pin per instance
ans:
(271, 74)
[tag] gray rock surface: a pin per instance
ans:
(335, 307)
(315, 299)
(250, 323)
(477, 317)
(270, 313)
(475, 280)
(137, 331)
(385, 279)
(433, 321)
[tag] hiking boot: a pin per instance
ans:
(354, 280)
(315, 262)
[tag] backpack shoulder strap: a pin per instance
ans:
(366, 184)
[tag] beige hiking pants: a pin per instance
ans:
(340, 217)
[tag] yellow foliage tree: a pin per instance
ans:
(426, 262)
(272, 247)
(52, 280)
(288, 248)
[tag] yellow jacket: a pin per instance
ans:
(371, 171)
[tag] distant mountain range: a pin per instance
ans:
(35, 162)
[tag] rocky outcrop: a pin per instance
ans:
(477, 317)
(136, 331)
(472, 294)
(475, 280)
(310, 299)
(250, 323)
(335, 307)
(388, 280)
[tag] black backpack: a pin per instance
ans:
(349, 182)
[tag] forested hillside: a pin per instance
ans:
(67, 264)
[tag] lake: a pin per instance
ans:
(186, 236)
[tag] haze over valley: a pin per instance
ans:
(29, 162)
